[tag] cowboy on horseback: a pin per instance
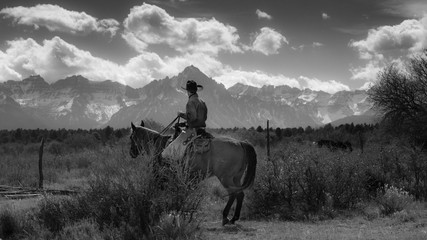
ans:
(224, 157)
(196, 114)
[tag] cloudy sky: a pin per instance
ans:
(328, 45)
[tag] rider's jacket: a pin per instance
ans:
(196, 112)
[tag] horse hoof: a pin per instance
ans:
(225, 221)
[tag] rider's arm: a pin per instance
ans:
(182, 115)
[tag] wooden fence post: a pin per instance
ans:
(268, 140)
(41, 164)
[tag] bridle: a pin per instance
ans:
(135, 142)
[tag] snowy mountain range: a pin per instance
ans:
(76, 102)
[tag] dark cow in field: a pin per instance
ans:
(334, 145)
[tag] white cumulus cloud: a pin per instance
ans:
(262, 14)
(268, 41)
(149, 25)
(325, 16)
(56, 18)
(366, 86)
(317, 44)
(387, 45)
(56, 59)
(408, 37)
(369, 72)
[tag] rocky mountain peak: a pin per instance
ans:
(34, 83)
(34, 79)
(192, 70)
(193, 73)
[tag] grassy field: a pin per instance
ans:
(119, 198)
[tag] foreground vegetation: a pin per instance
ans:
(381, 182)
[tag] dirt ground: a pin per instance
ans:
(356, 228)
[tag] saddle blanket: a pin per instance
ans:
(187, 141)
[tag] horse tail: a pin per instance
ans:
(250, 156)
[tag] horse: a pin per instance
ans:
(227, 159)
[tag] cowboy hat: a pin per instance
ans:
(192, 86)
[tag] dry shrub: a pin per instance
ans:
(129, 196)
(300, 181)
(9, 224)
(392, 199)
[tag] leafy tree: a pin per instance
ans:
(108, 131)
(309, 130)
(401, 95)
(278, 132)
(287, 132)
(118, 133)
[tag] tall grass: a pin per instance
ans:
(301, 180)
(124, 199)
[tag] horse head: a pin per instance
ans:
(145, 140)
(135, 141)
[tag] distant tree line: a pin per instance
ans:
(26, 136)
(354, 133)
(254, 135)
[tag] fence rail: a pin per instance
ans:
(12, 192)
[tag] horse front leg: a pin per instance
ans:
(239, 203)
(230, 202)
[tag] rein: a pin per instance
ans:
(151, 140)
(136, 140)
(168, 126)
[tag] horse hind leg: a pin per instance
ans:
(226, 182)
(239, 204)
(226, 210)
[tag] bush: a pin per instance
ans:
(127, 199)
(405, 216)
(393, 200)
(300, 181)
(291, 185)
(56, 212)
(9, 225)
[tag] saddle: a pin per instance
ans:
(200, 143)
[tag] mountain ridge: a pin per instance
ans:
(77, 102)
